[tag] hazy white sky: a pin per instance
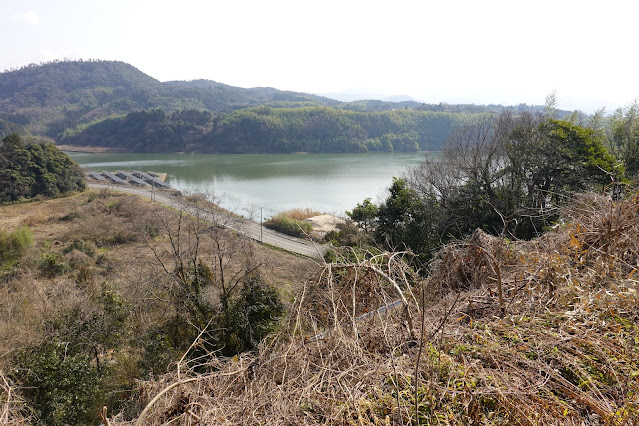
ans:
(479, 51)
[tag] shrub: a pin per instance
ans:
(61, 386)
(119, 237)
(159, 352)
(51, 264)
(289, 226)
(15, 244)
(86, 247)
(348, 234)
(251, 316)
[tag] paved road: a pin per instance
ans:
(246, 227)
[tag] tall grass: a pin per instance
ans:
(291, 222)
(13, 245)
(300, 214)
(562, 350)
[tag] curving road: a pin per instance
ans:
(243, 226)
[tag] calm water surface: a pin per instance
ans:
(330, 183)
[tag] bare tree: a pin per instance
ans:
(510, 169)
(205, 268)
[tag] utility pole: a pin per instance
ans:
(261, 236)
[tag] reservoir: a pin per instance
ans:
(244, 183)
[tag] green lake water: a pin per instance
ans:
(331, 183)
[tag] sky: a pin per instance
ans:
(455, 51)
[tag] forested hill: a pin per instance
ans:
(50, 98)
(268, 130)
(113, 104)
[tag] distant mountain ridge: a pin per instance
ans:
(49, 98)
(100, 102)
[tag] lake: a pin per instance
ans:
(331, 183)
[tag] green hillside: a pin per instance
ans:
(268, 130)
(113, 104)
(49, 98)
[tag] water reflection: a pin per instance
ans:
(327, 182)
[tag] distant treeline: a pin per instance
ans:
(272, 130)
(111, 103)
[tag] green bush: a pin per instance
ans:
(51, 264)
(13, 245)
(30, 170)
(62, 386)
(159, 351)
(86, 247)
(251, 316)
(289, 226)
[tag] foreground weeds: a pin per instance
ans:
(561, 347)
(108, 289)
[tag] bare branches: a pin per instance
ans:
(13, 410)
(561, 353)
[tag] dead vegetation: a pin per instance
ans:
(561, 347)
(301, 213)
(13, 409)
(91, 284)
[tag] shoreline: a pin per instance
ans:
(90, 149)
(103, 149)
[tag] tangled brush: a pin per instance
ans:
(541, 332)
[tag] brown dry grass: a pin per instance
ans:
(564, 350)
(300, 213)
(115, 224)
(36, 212)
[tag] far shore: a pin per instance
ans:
(92, 149)
(103, 149)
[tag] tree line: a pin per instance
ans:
(507, 175)
(272, 130)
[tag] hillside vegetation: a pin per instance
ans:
(35, 169)
(496, 285)
(268, 130)
(499, 332)
(505, 174)
(163, 318)
(526, 333)
(112, 104)
(88, 310)
(49, 98)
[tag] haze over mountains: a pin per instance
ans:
(66, 100)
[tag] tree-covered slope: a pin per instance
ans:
(270, 130)
(92, 102)
(49, 98)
